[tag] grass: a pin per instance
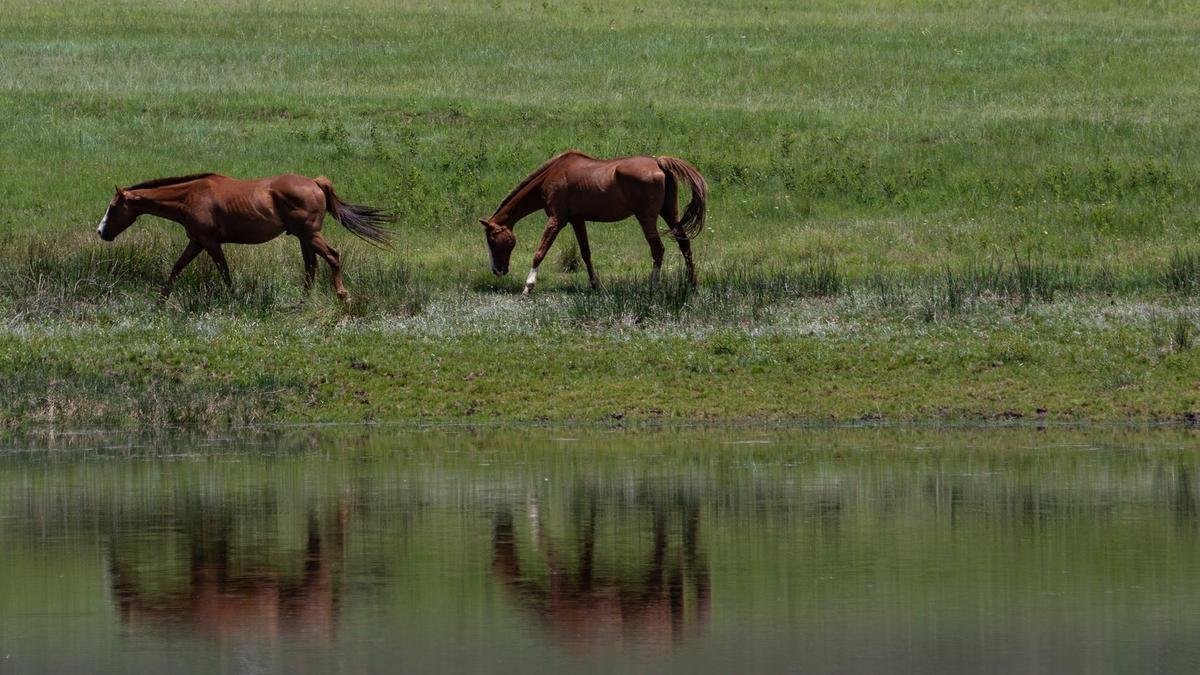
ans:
(928, 176)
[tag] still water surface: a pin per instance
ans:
(851, 551)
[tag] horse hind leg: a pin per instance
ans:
(310, 263)
(334, 260)
(218, 258)
(305, 229)
(670, 213)
(650, 230)
(685, 247)
(585, 251)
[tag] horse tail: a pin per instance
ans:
(692, 222)
(364, 221)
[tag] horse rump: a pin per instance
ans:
(692, 221)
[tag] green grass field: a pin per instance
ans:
(920, 210)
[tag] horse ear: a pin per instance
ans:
(484, 223)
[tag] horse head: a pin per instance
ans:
(500, 242)
(119, 216)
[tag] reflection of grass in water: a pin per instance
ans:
(991, 510)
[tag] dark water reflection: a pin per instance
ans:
(657, 601)
(227, 596)
(855, 551)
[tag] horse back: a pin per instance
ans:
(257, 210)
(642, 169)
(607, 190)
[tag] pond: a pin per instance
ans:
(729, 550)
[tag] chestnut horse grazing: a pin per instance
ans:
(216, 210)
(575, 188)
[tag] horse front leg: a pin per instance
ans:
(189, 254)
(553, 227)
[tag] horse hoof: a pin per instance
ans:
(526, 291)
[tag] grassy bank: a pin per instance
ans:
(919, 210)
(504, 359)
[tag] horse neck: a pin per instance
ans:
(168, 202)
(524, 203)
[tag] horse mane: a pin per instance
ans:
(534, 176)
(161, 182)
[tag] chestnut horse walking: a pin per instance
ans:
(216, 210)
(575, 188)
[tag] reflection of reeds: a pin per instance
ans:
(936, 516)
(826, 474)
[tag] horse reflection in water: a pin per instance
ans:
(225, 603)
(581, 606)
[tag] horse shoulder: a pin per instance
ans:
(202, 196)
(555, 181)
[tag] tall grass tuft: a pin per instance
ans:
(1025, 279)
(48, 276)
(889, 290)
(734, 295)
(569, 259)
(1181, 336)
(635, 302)
(817, 278)
(387, 287)
(1182, 274)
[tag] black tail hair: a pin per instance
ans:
(364, 221)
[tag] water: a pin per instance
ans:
(849, 551)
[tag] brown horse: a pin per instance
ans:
(581, 605)
(575, 188)
(225, 596)
(216, 210)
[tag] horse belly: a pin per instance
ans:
(258, 235)
(248, 220)
(600, 206)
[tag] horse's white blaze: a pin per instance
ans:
(492, 256)
(532, 279)
(103, 222)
